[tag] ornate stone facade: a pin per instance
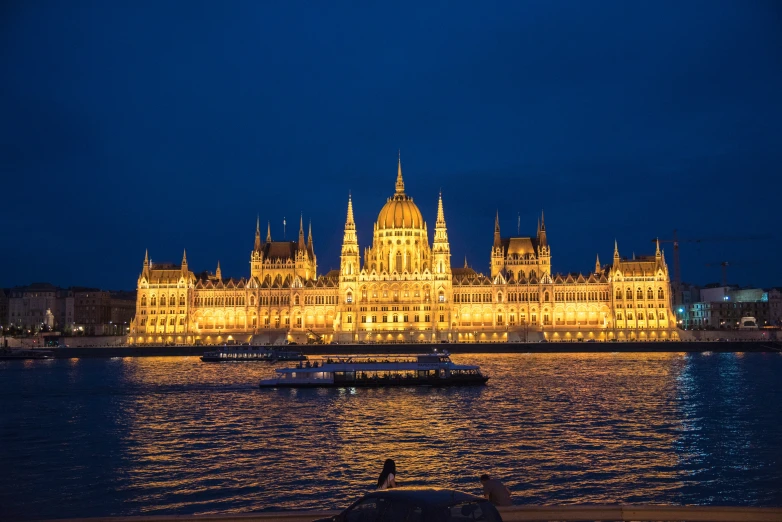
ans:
(405, 291)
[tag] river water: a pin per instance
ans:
(142, 436)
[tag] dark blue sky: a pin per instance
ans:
(170, 125)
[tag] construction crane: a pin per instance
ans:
(677, 275)
(725, 264)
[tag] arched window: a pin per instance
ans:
(349, 298)
(499, 297)
(531, 274)
(521, 275)
(660, 293)
(398, 261)
(629, 293)
(143, 300)
(441, 297)
(181, 300)
(296, 299)
(649, 293)
(162, 300)
(545, 296)
(639, 293)
(252, 300)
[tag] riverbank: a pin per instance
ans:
(351, 349)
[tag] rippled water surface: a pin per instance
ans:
(92, 437)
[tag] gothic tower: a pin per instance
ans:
(256, 256)
(349, 259)
(544, 251)
(441, 250)
(497, 251)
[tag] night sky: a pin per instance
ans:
(171, 125)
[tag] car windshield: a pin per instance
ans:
(473, 512)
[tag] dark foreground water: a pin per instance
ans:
(92, 437)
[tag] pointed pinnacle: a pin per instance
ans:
(400, 184)
(349, 220)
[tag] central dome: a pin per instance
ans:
(400, 211)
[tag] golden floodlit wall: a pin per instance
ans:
(404, 291)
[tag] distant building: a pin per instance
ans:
(29, 307)
(405, 289)
(775, 306)
(123, 308)
(4, 320)
(100, 312)
(723, 307)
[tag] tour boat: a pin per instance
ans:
(376, 370)
(251, 353)
(7, 354)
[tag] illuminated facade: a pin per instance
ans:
(405, 291)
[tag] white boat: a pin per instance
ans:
(376, 370)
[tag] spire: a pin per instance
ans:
(657, 252)
(257, 246)
(184, 258)
(616, 249)
(597, 264)
(440, 244)
(218, 272)
(349, 220)
(497, 239)
(309, 237)
(268, 231)
(440, 213)
(543, 221)
(400, 184)
(302, 246)
(146, 257)
(465, 261)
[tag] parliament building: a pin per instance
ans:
(405, 290)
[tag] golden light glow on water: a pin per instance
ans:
(174, 435)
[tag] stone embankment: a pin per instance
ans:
(350, 349)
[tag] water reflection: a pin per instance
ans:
(174, 435)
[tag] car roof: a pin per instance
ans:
(428, 496)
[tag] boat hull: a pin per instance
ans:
(377, 383)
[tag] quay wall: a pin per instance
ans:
(570, 513)
(350, 349)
